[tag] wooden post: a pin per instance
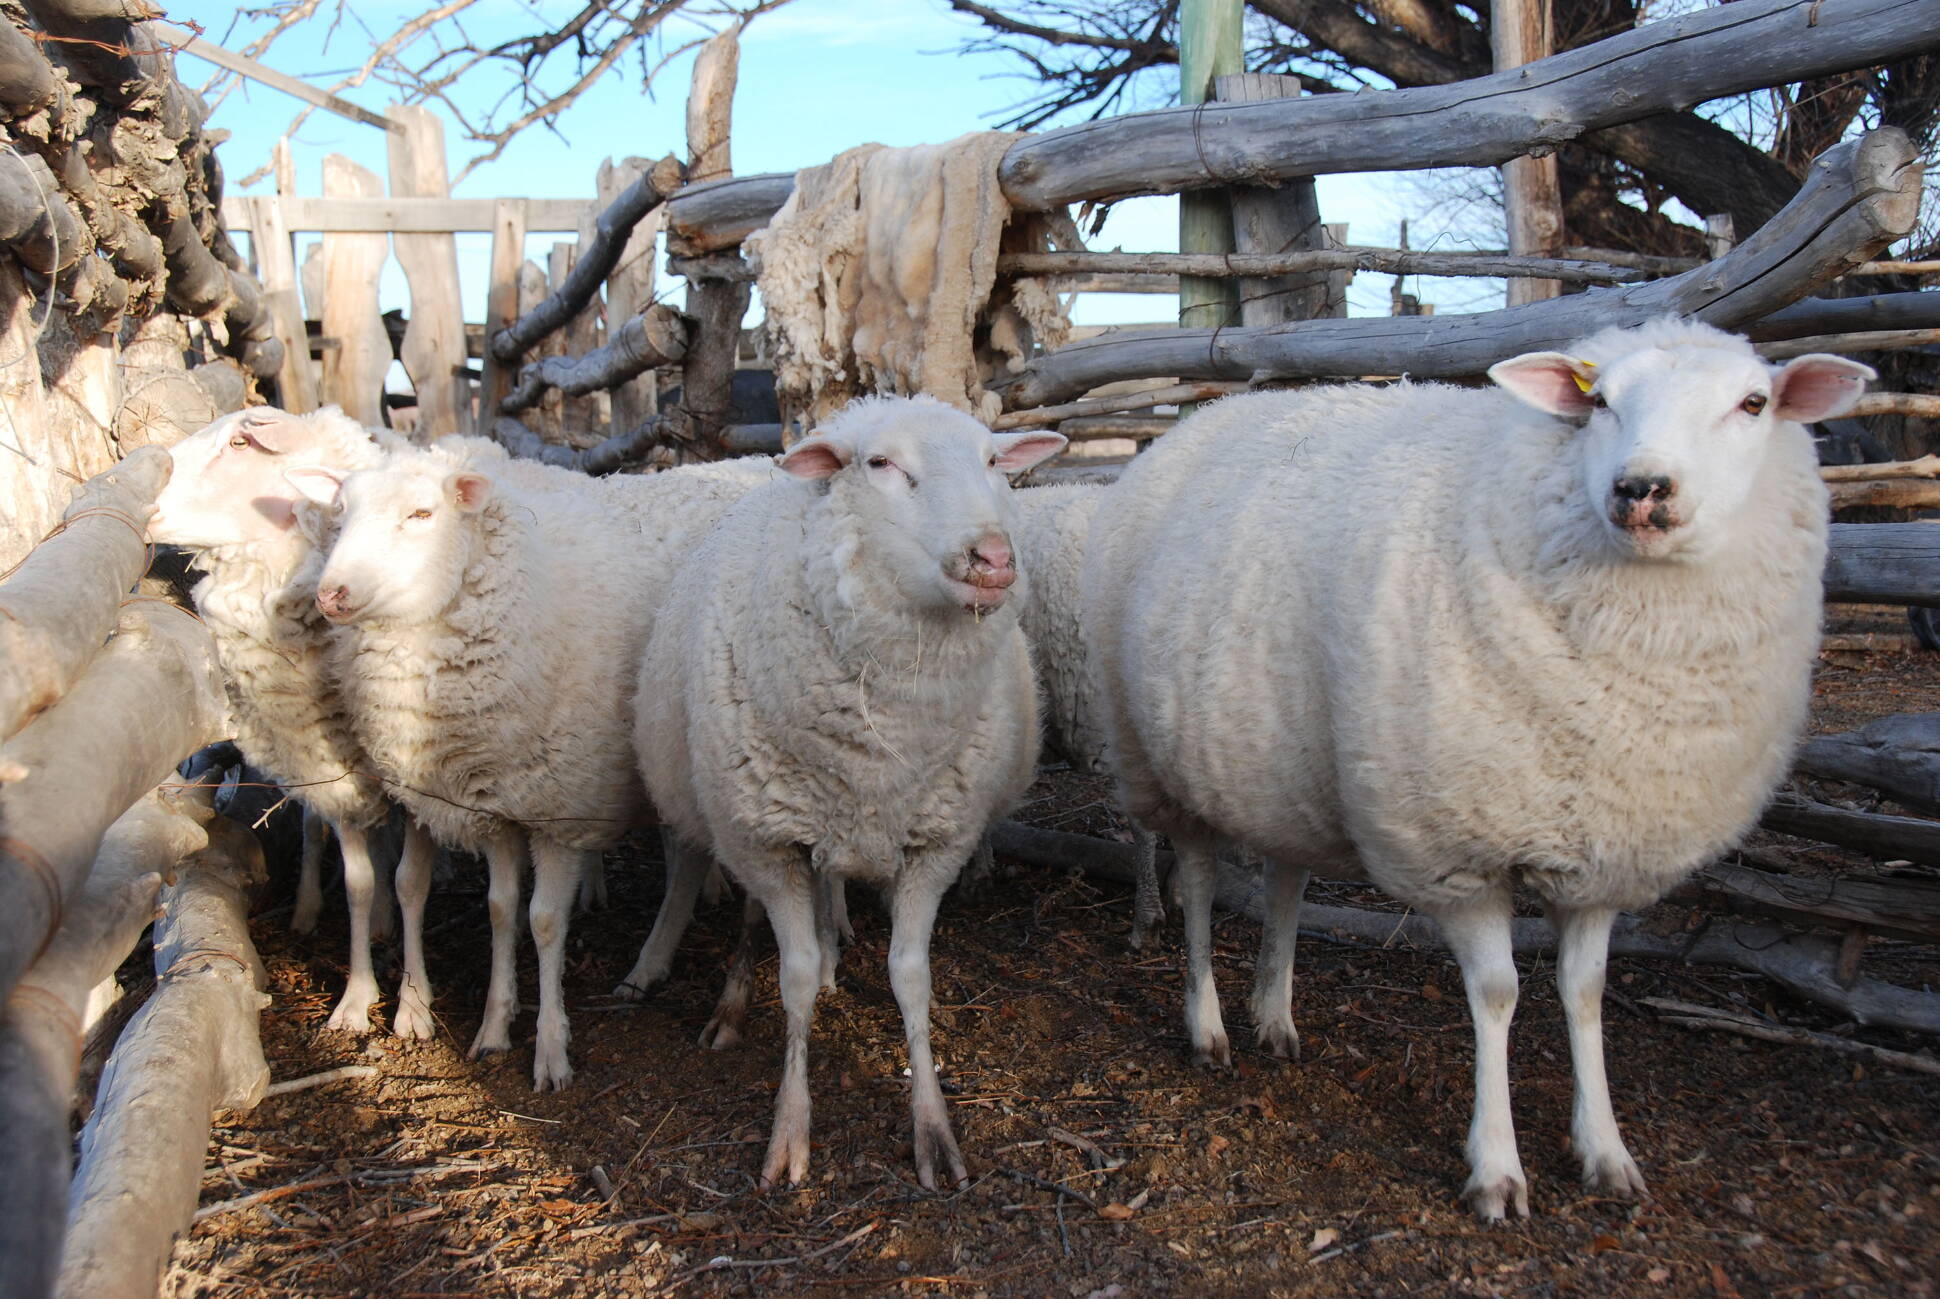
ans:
(353, 370)
(434, 340)
(1720, 235)
(1532, 194)
(710, 108)
(534, 284)
(584, 420)
(1269, 221)
(629, 291)
(1210, 33)
(276, 266)
(502, 301)
(717, 306)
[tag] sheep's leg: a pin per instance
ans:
(555, 883)
(730, 1016)
(383, 904)
(360, 993)
(1583, 948)
(309, 879)
(1273, 1025)
(838, 905)
(413, 1015)
(790, 903)
(1196, 872)
(831, 911)
(592, 884)
(1148, 909)
(504, 858)
(912, 917)
(687, 868)
(715, 891)
(1479, 934)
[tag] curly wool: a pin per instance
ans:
(1404, 644)
(802, 704)
(514, 706)
(1053, 524)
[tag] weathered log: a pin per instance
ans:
(26, 81)
(710, 107)
(1532, 187)
(354, 370)
(1895, 493)
(1655, 68)
(713, 266)
(42, 1023)
(1092, 428)
(153, 694)
(1908, 909)
(1921, 405)
(1281, 219)
(1897, 755)
(1730, 1021)
(1386, 261)
(655, 337)
(1889, 838)
(752, 440)
(36, 220)
(194, 1048)
(1804, 964)
(1927, 466)
(1883, 563)
(630, 290)
(1875, 340)
(1167, 395)
(1858, 197)
(433, 351)
(1848, 315)
(596, 261)
(707, 377)
(614, 453)
(58, 607)
(721, 213)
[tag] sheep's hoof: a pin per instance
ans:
(303, 920)
(550, 1075)
(722, 1033)
(1215, 1054)
(935, 1143)
(787, 1157)
(1281, 1040)
(352, 1014)
(413, 1017)
(628, 990)
(489, 1043)
(1614, 1174)
(1492, 1195)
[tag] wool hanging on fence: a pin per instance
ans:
(879, 274)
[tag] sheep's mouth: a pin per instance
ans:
(1649, 540)
(976, 598)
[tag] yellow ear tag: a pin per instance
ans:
(1583, 385)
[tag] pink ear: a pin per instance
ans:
(1017, 452)
(272, 429)
(469, 492)
(1549, 381)
(315, 483)
(816, 457)
(1818, 386)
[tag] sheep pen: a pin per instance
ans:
(1771, 1023)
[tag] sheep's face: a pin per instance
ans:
(402, 543)
(227, 487)
(929, 488)
(1673, 440)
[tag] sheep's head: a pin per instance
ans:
(403, 540)
(1678, 421)
(928, 488)
(228, 488)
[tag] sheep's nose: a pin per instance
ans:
(992, 550)
(1643, 487)
(333, 600)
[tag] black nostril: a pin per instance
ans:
(1638, 487)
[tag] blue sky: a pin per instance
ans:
(817, 76)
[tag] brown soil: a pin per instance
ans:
(1773, 1170)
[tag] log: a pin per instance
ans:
(62, 601)
(655, 338)
(629, 290)
(1894, 493)
(1848, 315)
(1274, 220)
(27, 83)
(296, 381)
(42, 1024)
(1144, 399)
(1386, 261)
(721, 213)
(1927, 466)
(502, 297)
(1804, 965)
(580, 417)
(353, 372)
(433, 351)
(152, 695)
(1897, 755)
(37, 222)
(728, 266)
(596, 261)
(1908, 909)
(1532, 189)
(710, 107)
(1858, 197)
(1919, 405)
(614, 453)
(192, 1049)
(1883, 563)
(707, 377)
(1211, 36)
(1727, 1021)
(1877, 340)
(1092, 428)
(1658, 67)
(1889, 838)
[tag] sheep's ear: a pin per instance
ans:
(1818, 386)
(272, 429)
(817, 456)
(1017, 452)
(1549, 381)
(469, 491)
(316, 483)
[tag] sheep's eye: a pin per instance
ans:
(878, 462)
(418, 514)
(993, 462)
(239, 441)
(1754, 404)
(1598, 401)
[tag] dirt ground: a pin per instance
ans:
(1102, 1163)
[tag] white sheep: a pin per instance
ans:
(491, 617)
(1053, 524)
(227, 500)
(1453, 641)
(837, 689)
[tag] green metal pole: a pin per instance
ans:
(1210, 34)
